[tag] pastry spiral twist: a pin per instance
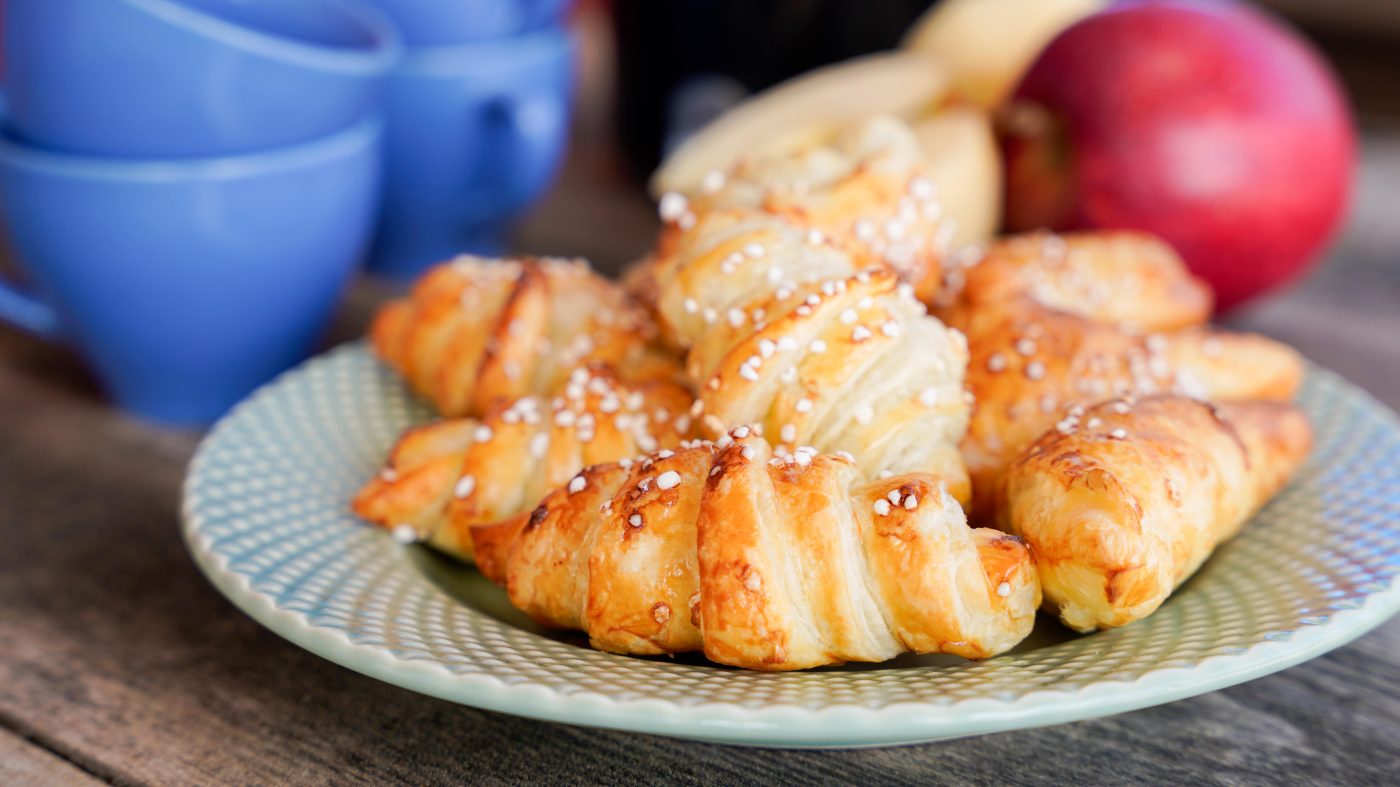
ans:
(786, 330)
(790, 282)
(445, 477)
(1126, 500)
(764, 561)
(1029, 365)
(1121, 278)
(477, 332)
(868, 192)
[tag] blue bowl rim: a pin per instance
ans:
(495, 54)
(384, 51)
(363, 135)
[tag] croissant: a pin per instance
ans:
(477, 332)
(764, 561)
(1117, 277)
(867, 192)
(442, 478)
(1126, 500)
(1029, 364)
(795, 336)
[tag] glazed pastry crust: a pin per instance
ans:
(789, 332)
(1029, 367)
(445, 477)
(792, 284)
(476, 333)
(765, 562)
(1122, 278)
(859, 369)
(1126, 501)
(867, 192)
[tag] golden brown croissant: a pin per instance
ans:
(1118, 277)
(444, 477)
(1125, 501)
(790, 333)
(478, 332)
(764, 561)
(1032, 363)
(868, 192)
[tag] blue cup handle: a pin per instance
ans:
(26, 312)
(19, 308)
(531, 130)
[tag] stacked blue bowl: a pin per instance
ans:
(188, 185)
(476, 114)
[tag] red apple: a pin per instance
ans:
(1210, 124)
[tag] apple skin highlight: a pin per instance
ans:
(1212, 125)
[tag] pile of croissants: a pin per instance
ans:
(771, 442)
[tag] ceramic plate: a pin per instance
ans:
(265, 515)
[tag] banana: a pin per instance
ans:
(806, 108)
(988, 44)
(962, 158)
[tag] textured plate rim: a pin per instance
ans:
(776, 724)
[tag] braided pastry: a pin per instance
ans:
(1030, 364)
(794, 336)
(868, 192)
(444, 477)
(478, 332)
(1127, 500)
(763, 561)
(1117, 277)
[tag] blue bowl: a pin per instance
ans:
(474, 133)
(191, 78)
(447, 22)
(187, 283)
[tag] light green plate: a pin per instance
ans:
(266, 517)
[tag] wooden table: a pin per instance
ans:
(119, 662)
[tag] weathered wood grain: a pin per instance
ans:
(117, 656)
(23, 764)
